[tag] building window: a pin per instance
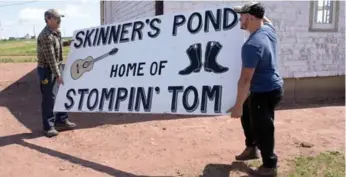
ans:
(324, 15)
(102, 12)
(158, 7)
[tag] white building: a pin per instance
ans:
(311, 33)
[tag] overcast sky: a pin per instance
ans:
(18, 18)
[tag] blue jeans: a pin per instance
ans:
(47, 82)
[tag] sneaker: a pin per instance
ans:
(250, 153)
(51, 132)
(263, 171)
(65, 125)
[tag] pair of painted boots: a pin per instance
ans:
(194, 52)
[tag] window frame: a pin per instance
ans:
(102, 11)
(315, 27)
(159, 8)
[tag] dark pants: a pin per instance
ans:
(47, 81)
(258, 123)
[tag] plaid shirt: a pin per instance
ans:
(49, 50)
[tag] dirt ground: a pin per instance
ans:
(143, 145)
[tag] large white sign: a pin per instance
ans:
(181, 63)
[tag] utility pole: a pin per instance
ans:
(64, 33)
(0, 31)
(34, 32)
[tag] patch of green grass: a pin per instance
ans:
(254, 163)
(328, 164)
(21, 48)
(10, 51)
(18, 48)
(18, 60)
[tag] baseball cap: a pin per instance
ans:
(53, 12)
(254, 8)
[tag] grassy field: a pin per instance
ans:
(19, 51)
(327, 164)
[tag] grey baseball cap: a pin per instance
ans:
(254, 8)
(53, 12)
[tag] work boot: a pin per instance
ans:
(212, 51)
(65, 125)
(250, 153)
(264, 171)
(194, 52)
(51, 132)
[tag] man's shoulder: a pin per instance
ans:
(269, 27)
(250, 46)
(253, 41)
(270, 24)
(45, 34)
(261, 36)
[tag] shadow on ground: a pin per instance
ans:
(19, 139)
(223, 170)
(22, 99)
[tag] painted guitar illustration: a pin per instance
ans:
(81, 66)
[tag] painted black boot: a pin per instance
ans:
(210, 65)
(194, 52)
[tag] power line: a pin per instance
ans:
(19, 3)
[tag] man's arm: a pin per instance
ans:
(268, 23)
(48, 50)
(244, 85)
(251, 55)
(266, 20)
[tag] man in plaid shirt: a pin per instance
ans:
(49, 54)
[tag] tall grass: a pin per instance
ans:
(13, 51)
